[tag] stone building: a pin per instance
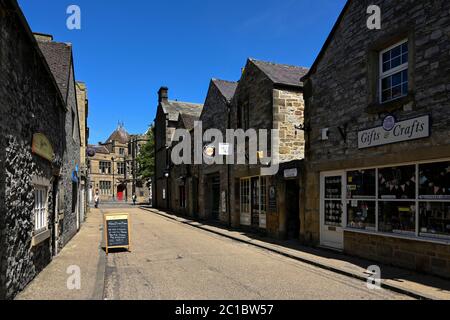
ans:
(214, 179)
(113, 168)
(166, 122)
(83, 112)
(33, 144)
(378, 142)
(269, 96)
(59, 58)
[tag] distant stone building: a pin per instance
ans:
(113, 168)
(83, 112)
(166, 122)
(378, 144)
(36, 162)
(269, 96)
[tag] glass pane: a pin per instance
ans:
(397, 183)
(397, 51)
(333, 213)
(435, 218)
(386, 66)
(405, 58)
(361, 184)
(386, 83)
(397, 217)
(396, 62)
(333, 187)
(434, 181)
(405, 48)
(386, 95)
(397, 91)
(386, 56)
(361, 214)
(397, 79)
(405, 89)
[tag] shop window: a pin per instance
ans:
(397, 217)
(245, 196)
(434, 187)
(263, 195)
(40, 209)
(397, 183)
(394, 72)
(361, 196)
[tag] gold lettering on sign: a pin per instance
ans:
(42, 147)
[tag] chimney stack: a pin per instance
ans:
(163, 94)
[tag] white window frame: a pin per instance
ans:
(383, 75)
(245, 187)
(417, 235)
(40, 209)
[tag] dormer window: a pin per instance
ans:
(394, 72)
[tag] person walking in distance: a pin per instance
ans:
(96, 200)
(134, 199)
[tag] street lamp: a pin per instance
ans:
(113, 182)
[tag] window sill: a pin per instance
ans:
(400, 236)
(40, 237)
(390, 106)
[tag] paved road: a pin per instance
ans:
(171, 260)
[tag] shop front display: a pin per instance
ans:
(411, 200)
(253, 202)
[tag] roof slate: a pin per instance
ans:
(174, 108)
(282, 73)
(227, 88)
(59, 58)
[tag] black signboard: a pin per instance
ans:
(117, 231)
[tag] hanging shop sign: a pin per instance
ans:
(117, 231)
(412, 129)
(42, 147)
(290, 173)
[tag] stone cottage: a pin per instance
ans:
(59, 58)
(166, 122)
(378, 136)
(32, 149)
(269, 96)
(214, 179)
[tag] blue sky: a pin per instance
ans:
(126, 50)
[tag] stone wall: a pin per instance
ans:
(288, 114)
(71, 161)
(30, 103)
(425, 257)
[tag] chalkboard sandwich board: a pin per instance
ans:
(117, 231)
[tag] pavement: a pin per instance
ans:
(413, 284)
(83, 251)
